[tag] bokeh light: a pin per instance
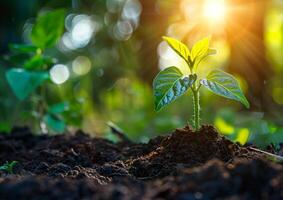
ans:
(81, 65)
(81, 28)
(59, 73)
(123, 30)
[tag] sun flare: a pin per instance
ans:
(215, 10)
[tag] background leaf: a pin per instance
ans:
(180, 48)
(22, 48)
(24, 82)
(59, 108)
(48, 28)
(169, 85)
(54, 123)
(224, 84)
(35, 62)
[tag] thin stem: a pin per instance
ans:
(196, 98)
(196, 101)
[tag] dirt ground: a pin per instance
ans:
(182, 165)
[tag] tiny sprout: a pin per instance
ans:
(171, 83)
(9, 166)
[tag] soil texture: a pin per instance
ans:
(183, 165)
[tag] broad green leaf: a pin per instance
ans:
(200, 50)
(48, 28)
(180, 48)
(59, 108)
(24, 82)
(54, 123)
(224, 84)
(22, 48)
(170, 84)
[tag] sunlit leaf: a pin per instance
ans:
(24, 82)
(48, 28)
(225, 85)
(243, 136)
(223, 126)
(169, 85)
(54, 123)
(200, 50)
(180, 48)
(22, 48)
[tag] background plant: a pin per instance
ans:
(172, 83)
(31, 74)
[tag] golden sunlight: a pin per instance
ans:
(215, 10)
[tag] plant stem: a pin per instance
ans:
(196, 101)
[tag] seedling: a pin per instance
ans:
(172, 83)
(9, 166)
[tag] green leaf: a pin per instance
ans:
(54, 123)
(170, 84)
(35, 62)
(180, 48)
(48, 28)
(24, 82)
(200, 50)
(224, 84)
(59, 108)
(22, 48)
(17, 59)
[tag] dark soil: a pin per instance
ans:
(183, 165)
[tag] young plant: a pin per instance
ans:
(9, 166)
(172, 83)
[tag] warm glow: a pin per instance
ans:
(214, 10)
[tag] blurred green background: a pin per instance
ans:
(103, 64)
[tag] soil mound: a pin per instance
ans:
(186, 148)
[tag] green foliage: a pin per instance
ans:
(48, 28)
(35, 64)
(225, 85)
(59, 108)
(138, 120)
(259, 131)
(53, 118)
(24, 82)
(23, 48)
(172, 83)
(169, 85)
(55, 123)
(9, 166)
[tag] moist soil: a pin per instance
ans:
(183, 165)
